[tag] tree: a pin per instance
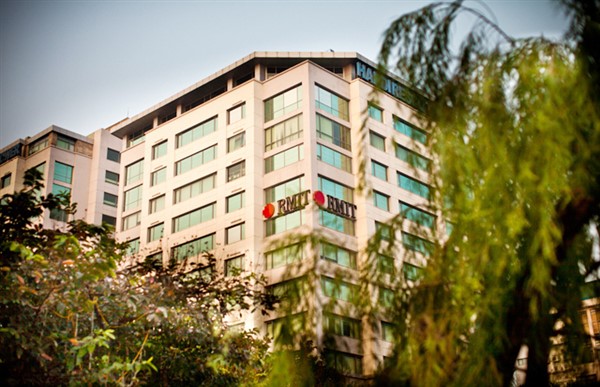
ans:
(515, 127)
(70, 313)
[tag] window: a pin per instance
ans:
(159, 150)
(385, 264)
(416, 215)
(236, 171)
(333, 132)
(411, 272)
(194, 188)
(236, 142)
(196, 132)
(282, 190)
(65, 143)
(155, 232)
(193, 218)
(336, 222)
(134, 172)
(234, 266)
(57, 213)
(110, 220)
(412, 158)
(384, 231)
(113, 155)
(381, 201)
(378, 170)
(131, 221)
(386, 297)
(133, 198)
(410, 130)
(156, 204)
(41, 168)
(377, 141)
(154, 261)
(375, 113)
(340, 290)
(158, 177)
(38, 146)
(5, 181)
(291, 290)
(331, 103)
(111, 177)
(235, 202)
(110, 199)
(335, 189)
(283, 103)
(286, 330)
(236, 114)
(412, 185)
(137, 137)
(344, 362)
(417, 244)
(334, 158)
(338, 255)
(387, 332)
(63, 172)
(284, 132)
(235, 233)
(284, 223)
(341, 326)
(285, 158)
(193, 248)
(284, 256)
(133, 247)
(195, 160)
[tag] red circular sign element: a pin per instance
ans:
(268, 211)
(319, 198)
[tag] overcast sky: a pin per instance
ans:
(84, 65)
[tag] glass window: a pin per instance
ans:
(286, 330)
(131, 221)
(282, 190)
(333, 132)
(377, 141)
(158, 177)
(236, 114)
(38, 146)
(412, 185)
(134, 172)
(285, 158)
(194, 188)
(235, 202)
(284, 256)
(381, 201)
(154, 261)
(338, 255)
(344, 362)
(133, 198)
(111, 177)
(335, 189)
(331, 103)
(155, 232)
(234, 266)
(383, 230)
(159, 150)
(236, 171)
(57, 213)
(416, 215)
(196, 132)
(65, 143)
(195, 160)
(341, 326)
(133, 247)
(338, 289)
(415, 243)
(387, 332)
(138, 137)
(236, 142)
(283, 103)
(156, 204)
(385, 264)
(193, 218)
(386, 297)
(411, 272)
(336, 222)
(375, 113)
(63, 172)
(110, 199)
(193, 248)
(412, 158)
(334, 158)
(235, 233)
(6, 180)
(410, 130)
(113, 155)
(378, 170)
(284, 132)
(284, 223)
(110, 220)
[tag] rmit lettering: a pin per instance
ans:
(292, 203)
(341, 207)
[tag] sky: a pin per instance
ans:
(85, 65)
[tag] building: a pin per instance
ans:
(252, 161)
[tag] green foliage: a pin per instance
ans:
(69, 314)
